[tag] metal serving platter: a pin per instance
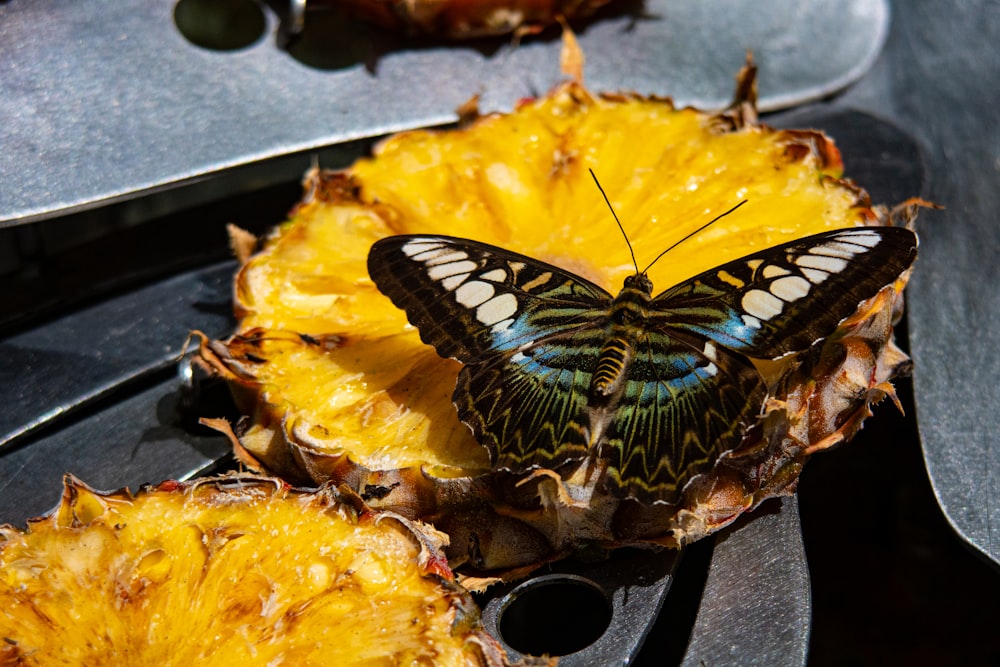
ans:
(107, 100)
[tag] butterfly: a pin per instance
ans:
(556, 369)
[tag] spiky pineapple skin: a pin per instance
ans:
(237, 569)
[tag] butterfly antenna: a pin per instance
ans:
(632, 252)
(706, 225)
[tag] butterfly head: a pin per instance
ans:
(639, 282)
(631, 304)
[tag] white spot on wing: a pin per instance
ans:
(815, 276)
(865, 237)
(502, 325)
(444, 270)
(762, 305)
(442, 256)
(709, 350)
(750, 321)
(416, 247)
(838, 249)
(774, 271)
(474, 293)
(828, 264)
(711, 369)
(497, 309)
(451, 282)
(496, 276)
(790, 288)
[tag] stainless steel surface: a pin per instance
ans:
(106, 100)
(134, 440)
(757, 595)
(955, 295)
(634, 585)
(97, 393)
(48, 371)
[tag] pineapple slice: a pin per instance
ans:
(230, 570)
(338, 386)
(464, 19)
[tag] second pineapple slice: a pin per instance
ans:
(231, 570)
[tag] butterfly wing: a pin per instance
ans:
(788, 297)
(685, 402)
(524, 329)
(672, 425)
(530, 409)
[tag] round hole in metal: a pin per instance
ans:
(331, 39)
(554, 615)
(220, 25)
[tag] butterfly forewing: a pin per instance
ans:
(470, 299)
(787, 297)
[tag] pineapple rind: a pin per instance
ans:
(236, 570)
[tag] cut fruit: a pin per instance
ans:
(338, 386)
(464, 19)
(230, 570)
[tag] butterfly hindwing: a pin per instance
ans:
(529, 410)
(685, 402)
(787, 297)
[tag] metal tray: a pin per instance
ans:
(107, 100)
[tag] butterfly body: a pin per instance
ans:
(556, 370)
(626, 314)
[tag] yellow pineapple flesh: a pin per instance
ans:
(232, 570)
(338, 385)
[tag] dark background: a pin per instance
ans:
(891, 582)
